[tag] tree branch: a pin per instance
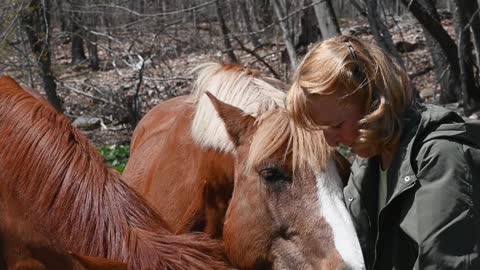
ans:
(258, 57)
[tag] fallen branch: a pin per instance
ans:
(168, 79)
(422, 72)
(91, 96)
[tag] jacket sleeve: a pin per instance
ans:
(446, 224)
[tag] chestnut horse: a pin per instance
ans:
(269, 189)
(58, 198)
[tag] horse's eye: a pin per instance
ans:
(273, 175)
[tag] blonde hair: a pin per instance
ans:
(276, 132)
(355, 71)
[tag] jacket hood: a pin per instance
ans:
(437, 123)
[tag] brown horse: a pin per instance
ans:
(180, 156)
(270, 190)
(58, 198)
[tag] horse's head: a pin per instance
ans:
(287, 209)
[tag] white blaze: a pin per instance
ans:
(334, 211)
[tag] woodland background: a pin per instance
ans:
(104, 64)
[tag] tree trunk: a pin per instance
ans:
(380, 30)
(472, 9)
(91, 38)
(252, 36)
(287, 37)
(141, 6)
(93, 51)
(470, 87)
(233, 16)
(450, 86)
(62, 15)
(310, 31)
(253, 17)
(36, 24)
(78, 53)
(26, 49)
(435, 29)
(263, 12)
(225, 32)
(360, 7)
(327, 21)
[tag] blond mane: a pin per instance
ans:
(309, 149)
(241, 87)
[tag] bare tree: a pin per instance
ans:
(327, 21)
(91, 38)
(76, 34)
(470, 84)
(446, 75)
(310, 32)
(472, 10)
(266, 33)
(36, 24)
(279, 6)
(93, 51)
(225, 32)
(264, 15)
(360, 7)
(248, 23)
(380, 30)
(448, 47)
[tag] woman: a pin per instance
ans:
(414, 190)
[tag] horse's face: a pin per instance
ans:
(283, 219)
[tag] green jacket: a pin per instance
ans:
(431, 219)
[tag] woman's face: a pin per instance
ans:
(339, 120)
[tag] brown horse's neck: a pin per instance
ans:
(57, 177)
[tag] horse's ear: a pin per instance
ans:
(98, 263)
(237, 123)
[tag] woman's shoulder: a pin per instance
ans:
(435, 122)
(435, 113)
(446, 140)
(438, 123)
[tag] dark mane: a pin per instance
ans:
(57, 177)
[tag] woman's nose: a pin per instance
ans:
(331, 137)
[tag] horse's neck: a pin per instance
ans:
(55, 175)
(96, 215)
(52, 174)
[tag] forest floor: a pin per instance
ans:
(106, 96)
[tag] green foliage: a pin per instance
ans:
(116, 156)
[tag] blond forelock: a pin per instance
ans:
(276, 132)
